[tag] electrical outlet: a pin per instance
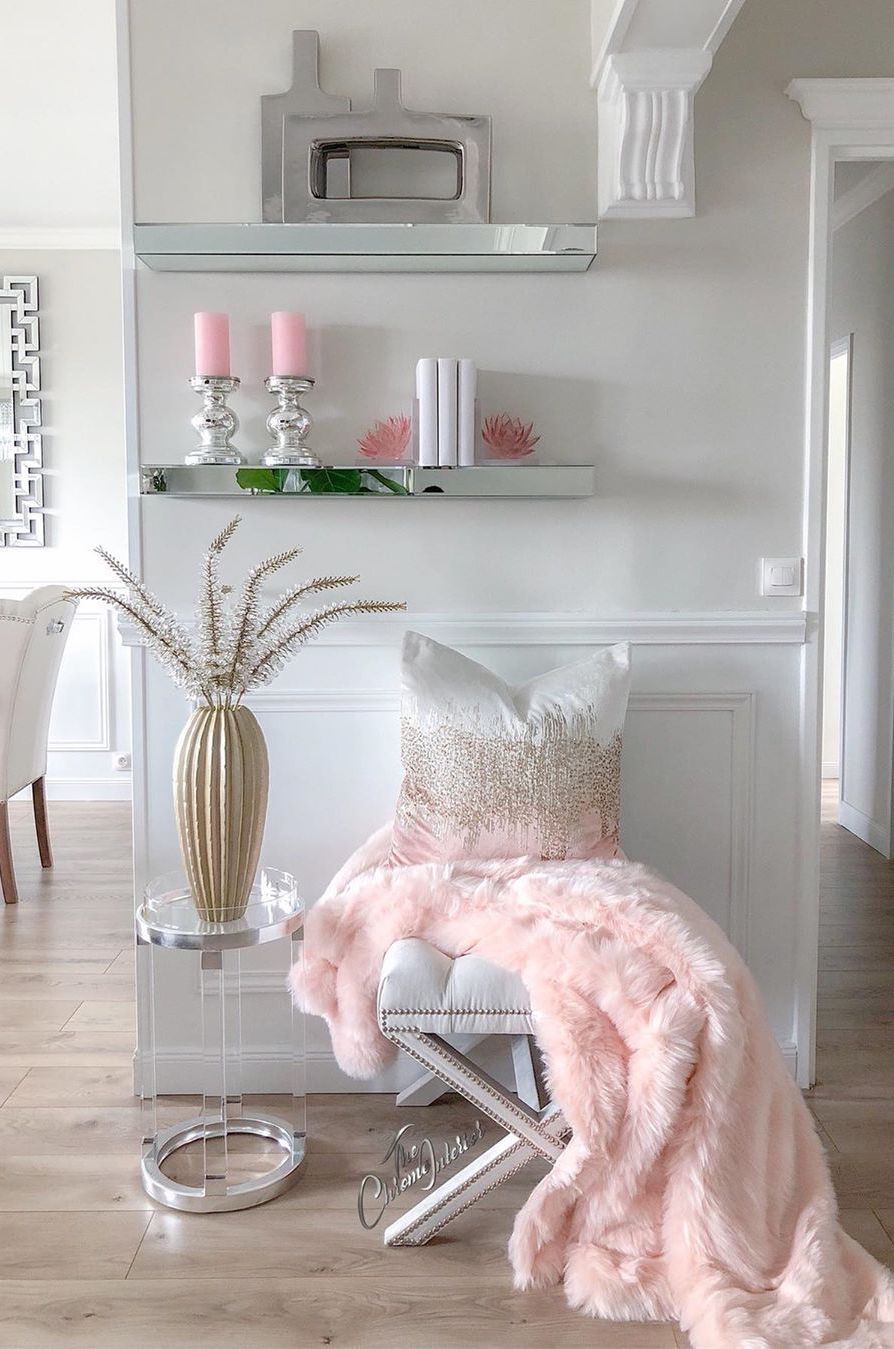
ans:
(122, 763)
(782, 576)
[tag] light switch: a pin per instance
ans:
(782, 576)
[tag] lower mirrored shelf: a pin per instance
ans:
(361, 480)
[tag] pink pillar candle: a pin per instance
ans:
(212, 344)
(289, 341)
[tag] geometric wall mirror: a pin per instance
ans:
(21, 449)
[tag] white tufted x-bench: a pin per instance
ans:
(426, 996)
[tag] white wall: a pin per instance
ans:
(58, 110)
(862, 303)
(675, 366)
(85, 498)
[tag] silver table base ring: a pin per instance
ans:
(248, 1193)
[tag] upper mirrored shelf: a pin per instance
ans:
(354, 480)
(366, 248)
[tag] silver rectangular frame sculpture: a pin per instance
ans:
(20, 410)
(308, 136)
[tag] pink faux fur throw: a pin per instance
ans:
(694, 1186)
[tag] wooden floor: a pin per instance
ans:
(87, 1260)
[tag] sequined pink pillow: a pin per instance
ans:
(496, 771)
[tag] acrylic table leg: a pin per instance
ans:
(232, 997)
(299, 1082)
(146, 1041)
(214, 1135)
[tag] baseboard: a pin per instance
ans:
(789, 1051)
(117, 788)
(270, 1069)
(870, 831)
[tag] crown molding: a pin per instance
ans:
(60, 237)
(845, 104)
(877, 184)
(647, 66)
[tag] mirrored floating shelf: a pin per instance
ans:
(366, 248)
(361, 480)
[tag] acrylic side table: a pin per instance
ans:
(167, 919)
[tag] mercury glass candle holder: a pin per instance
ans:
(216, 422)
(289, 424)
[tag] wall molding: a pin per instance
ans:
(99, 617)
(877, 184)
(855, 104)
(61, 237)
(721, 628)
(740, 707)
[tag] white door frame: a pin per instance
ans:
(850, 119)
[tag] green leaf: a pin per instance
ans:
(319, 481)
(262, 479)
(388, 483)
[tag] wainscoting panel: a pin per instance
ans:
(709, 770)
(82, 712)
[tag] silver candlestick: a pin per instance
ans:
(289, 423)
(216, 422)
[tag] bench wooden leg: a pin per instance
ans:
(39, 802)
(7, 872)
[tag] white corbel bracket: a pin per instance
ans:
(646, 161)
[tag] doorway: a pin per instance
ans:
(858, 658)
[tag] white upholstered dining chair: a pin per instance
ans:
(33, 633)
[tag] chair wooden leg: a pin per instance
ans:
(7, 874)
(39, 801)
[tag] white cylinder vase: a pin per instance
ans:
(220, 799)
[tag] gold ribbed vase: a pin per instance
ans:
(220, 800)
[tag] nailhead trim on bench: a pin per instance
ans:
(458, 1011)
(448, 1199)
(457, 1082)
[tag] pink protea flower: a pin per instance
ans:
(508, 437)
(387, 441)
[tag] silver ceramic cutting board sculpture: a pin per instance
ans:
(308, 138)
